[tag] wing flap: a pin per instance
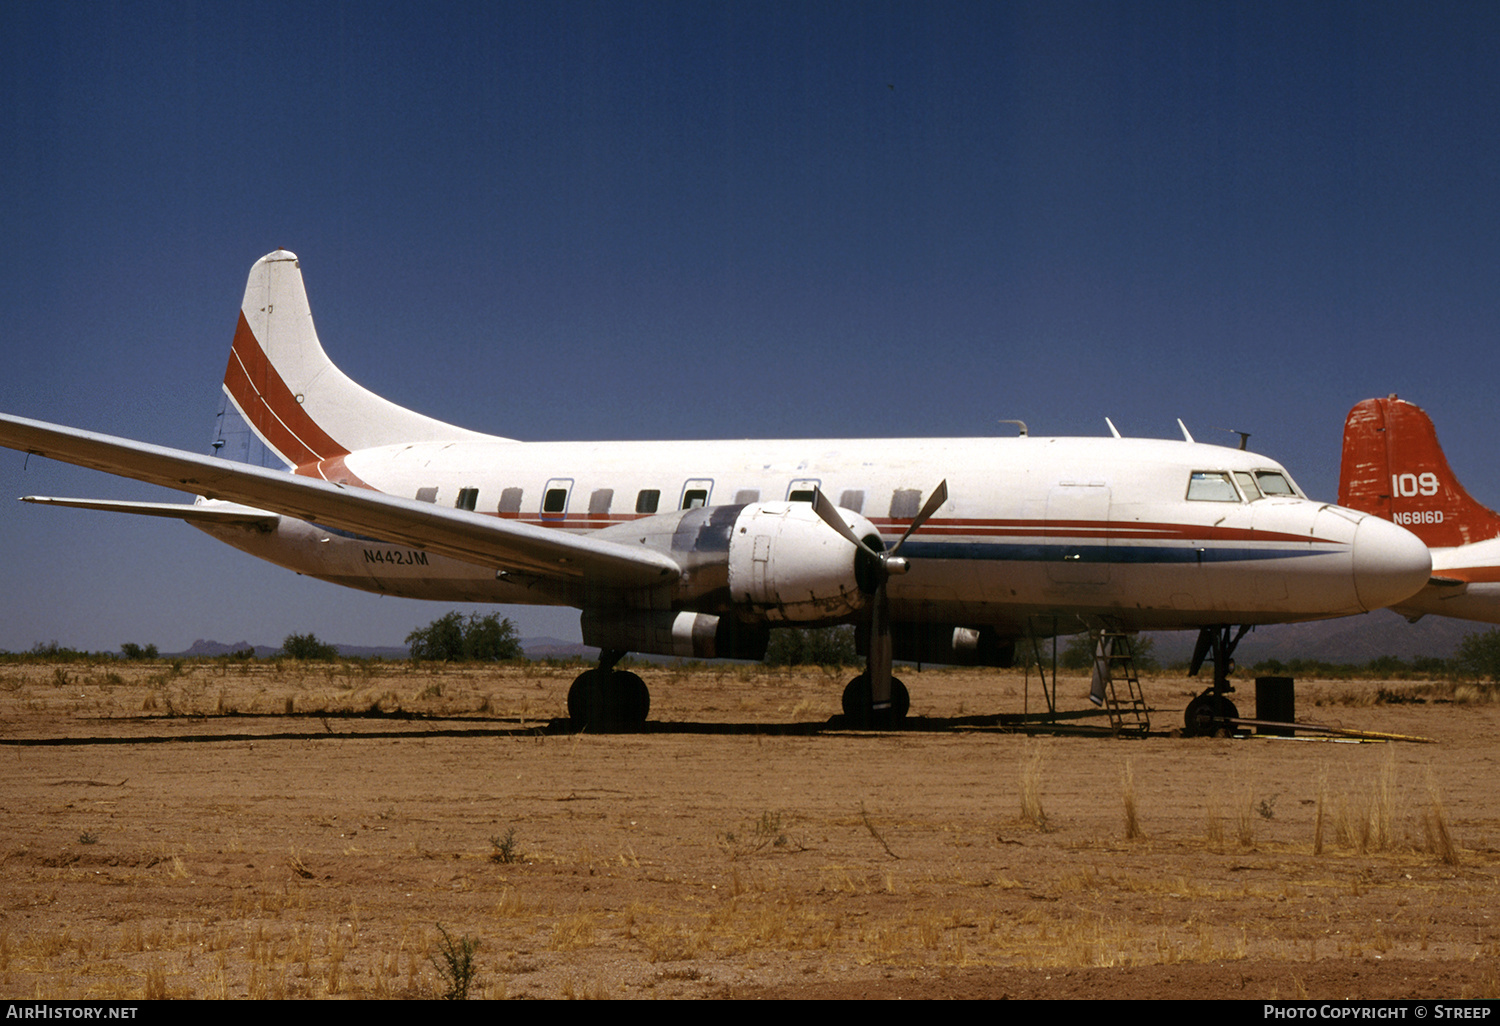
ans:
(460, 534)
(199, 513)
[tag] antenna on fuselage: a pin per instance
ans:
(1020, 424)
(1244, 436)
(1112, 429)
(1186, 437)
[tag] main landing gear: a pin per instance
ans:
(1210, 712)
(875, 699)
(606, 699)
(859, 704)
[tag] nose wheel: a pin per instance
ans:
(1211, 711)
(1208, 714)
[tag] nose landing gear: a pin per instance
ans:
(1212, 711)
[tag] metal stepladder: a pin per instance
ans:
(1031, 649)
(1114, 660)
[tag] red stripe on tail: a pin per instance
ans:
(270, 406)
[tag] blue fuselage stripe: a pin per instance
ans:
(1038, 552)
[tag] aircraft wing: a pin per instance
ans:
(460, 534)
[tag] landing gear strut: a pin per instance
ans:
(606, 699)
(1209, 713)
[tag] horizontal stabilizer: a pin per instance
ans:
(214, 513)
(456, 533)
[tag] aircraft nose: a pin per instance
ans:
(1390, 563)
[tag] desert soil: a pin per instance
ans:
(258, 830)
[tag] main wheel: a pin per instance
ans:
(608, 700)
(859, 701)
(634, 698)
(1206, 714)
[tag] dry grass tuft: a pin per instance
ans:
(1132, 819)
(1321, 815)
(1032, 812)
(1435, 824)
(1244, 819)
(573, 932)
(1365, 821)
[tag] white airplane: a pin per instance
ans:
(698, 549)
(1394, 468)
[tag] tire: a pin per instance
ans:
(858, 700)
(1205, 715)
(611, 700)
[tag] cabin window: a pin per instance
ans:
(745, 496)
(694, 498)
(1211, 486)
(853, 499)
(427, 494)
(600, 500)
(1274, 482)
(468, 498)
(647, 500)
(802, 489)
(905, 502)
(555, 501)
(510, 501)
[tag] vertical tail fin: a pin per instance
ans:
(1394, 468)
(285, 397)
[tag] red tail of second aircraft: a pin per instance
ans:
(1394, 468)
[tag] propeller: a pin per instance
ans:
(872, 569)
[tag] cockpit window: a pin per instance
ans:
(1246, 482)
(1274, 482)
(1211, 486)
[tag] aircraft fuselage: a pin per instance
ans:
(1034, 527)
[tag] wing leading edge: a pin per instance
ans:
(471, 537)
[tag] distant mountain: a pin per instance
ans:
(202, 649)
(556, 648)
(535, 648)
(1354, 639)
(213, 649)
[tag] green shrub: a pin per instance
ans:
(818, 646)
(307, 646)
(454, 638)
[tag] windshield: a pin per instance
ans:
(1211, 486)
(1274, 482)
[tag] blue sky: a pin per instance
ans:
(666, 220)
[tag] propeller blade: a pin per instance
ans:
(938, 497)
(830, 516)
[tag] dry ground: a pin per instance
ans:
(231, 830)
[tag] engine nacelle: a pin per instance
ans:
(759, 562)
(682, 634)
(785, 564)
(944, 643)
